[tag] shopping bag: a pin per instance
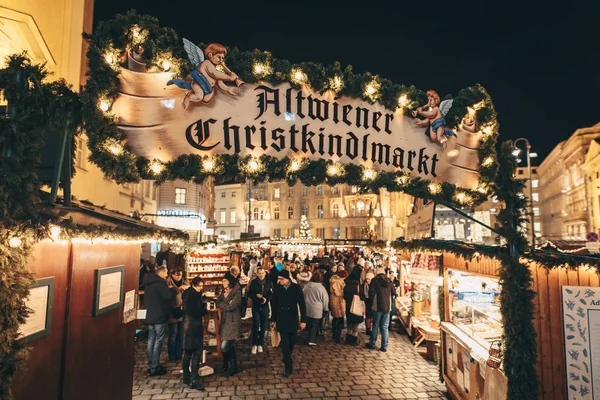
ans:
(275, 337)
(358, 306)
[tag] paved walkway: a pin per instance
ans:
(329, 371)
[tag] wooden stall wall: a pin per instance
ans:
(41, 379)
(548, 320)
(100, 351)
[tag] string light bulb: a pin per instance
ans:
(55, 232)
(108, 57)
(460, 197)
(434, 188)
(253, 165)
(115, 148)
(336, 83)
(166, 65)
(295, 166)
(369, 174)
(332, 170)
(298, 76)
(15, 242)
(403, 101)
(157, 167)
(104, 105)
(488, 161)
(208, 165)
(372, 90)
(401, 180)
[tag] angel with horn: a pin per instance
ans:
(434, 112)
(205, 74)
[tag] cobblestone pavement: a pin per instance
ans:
(329, 371)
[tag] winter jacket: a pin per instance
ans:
(316, 299)
(382, 288)
(266, 290)
(336, 297)
(353, 288)
(231, 317)
(194, 309)
(178, 302)
(284, 308)
(158, 299)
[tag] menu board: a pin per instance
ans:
(40, 299)
(581, 316)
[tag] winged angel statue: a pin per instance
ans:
(434, 113)
(206, 75)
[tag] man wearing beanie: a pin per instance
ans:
(380, 291)
(287, 298)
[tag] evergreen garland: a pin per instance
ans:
(142, 34)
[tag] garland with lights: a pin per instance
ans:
(161, 51)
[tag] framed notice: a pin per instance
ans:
(581, 318)
(38, 323)
(129, 307)
(108, 293)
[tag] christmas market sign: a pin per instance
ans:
(172, 100)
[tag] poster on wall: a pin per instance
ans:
(214, 112)
(40, 299)
(425, 268)
(108, 293)
(581, 318)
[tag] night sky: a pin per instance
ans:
(540, 65)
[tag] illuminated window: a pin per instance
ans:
(276, 193)
(536, 211)
(320, 211)
(320, 190)
(336, 211)
(255, 213)
(232, 216)
(305, 210)
(290, 212)
(534, 183)
(223, 216)
(276, 212)
(180, 195)
(535, 197)
(537, 226)
(354, 189)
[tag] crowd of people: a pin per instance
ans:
(287, 294)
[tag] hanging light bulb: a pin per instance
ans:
(108, 57)
(295, 166)
(208, 165)
(253, 165)
(403, 101)
(166, 65)
(157, 167)
(15, 242)
(104, 105)
(369, 174)
(332, 170)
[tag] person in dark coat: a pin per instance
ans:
(260, 292)
(351, 289)
(380, 291)
(229, 301)
(158, 300)
(287, 298)
(194, 309)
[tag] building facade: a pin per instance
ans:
(592, 185)
(187, 206)
(333, 212)
(564, 210)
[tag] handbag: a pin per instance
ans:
(495, 358)
(275, 337)
(177, 312)
(358, 306)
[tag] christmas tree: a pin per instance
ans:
(305, 228)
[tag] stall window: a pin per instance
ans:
(290, 212)
(336, 211)
(180, 195)
(320, 211)
(276, 212)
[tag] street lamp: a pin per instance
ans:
(529, 156)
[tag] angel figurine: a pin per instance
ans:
(434, 113)
(205, 75)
